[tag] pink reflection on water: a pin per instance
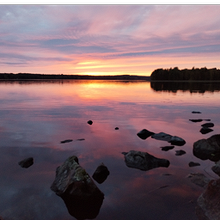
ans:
(36, 117)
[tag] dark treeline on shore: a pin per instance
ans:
(186, 74)
(30, 76)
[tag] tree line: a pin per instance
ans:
(186, 74)
(33, 76)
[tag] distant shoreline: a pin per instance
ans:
(30, 76)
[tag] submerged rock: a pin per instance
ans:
(208, 205)
(180, 152)
(166, 148)
(208, 148)
(196, 120)
(196, 112)
(143, 160)
(81, 139)
(144, 134)
(216, 168)
(101, 173)
(199, 179)
(27, 162)
(162, 136)
(208, 125)
(193, 164)
(205, 130)
(174, 140)
(90, 122)
(72, 183)
(66, 141)
(177, 141)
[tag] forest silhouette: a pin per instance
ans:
(202, 74)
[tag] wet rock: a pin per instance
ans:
(144, 134)
(206, 119)
(166, 148)
(205, 130)
(143, 160)
(180, 152)
(193, 164)
(208, 125)
(101, 173)
(66, 141)
(208, 205)
(208, 148)
(90, 122)
(81, 196)
(199, 179)
(162, 136)
(174, 140)
(196, 112)
(177, 141)
(27, 162)
(196, 120)
(80, 139)
(216, 168)
(116, 128)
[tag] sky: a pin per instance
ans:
(108, 39)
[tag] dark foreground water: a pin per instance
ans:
(36, 116)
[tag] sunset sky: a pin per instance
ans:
(108, 39)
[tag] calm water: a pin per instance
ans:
(36, 116)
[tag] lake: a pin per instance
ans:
(35, 116)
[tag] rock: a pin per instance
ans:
(90, 122)
(144, 134)
(205, 130)
(66, 141)
(208, 125)
(193, 164)
(72, 183)
(196, 120)
(177, 141)
(196, 112)
(180, 152)
(143, 160)
(101, 173)
(166, 148)
(199, 179)
(208, 205)
(216, 168)
(80, 139)
(162, 136)
(27, 162)
(208, 148)
(174, 140)
(116, 128)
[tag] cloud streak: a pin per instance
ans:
(51, 38)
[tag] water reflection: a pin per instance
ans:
(36, 117)
(192, 87)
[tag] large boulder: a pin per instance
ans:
(72, 183)
(208, 148)
(143, 160)
(208, 205)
